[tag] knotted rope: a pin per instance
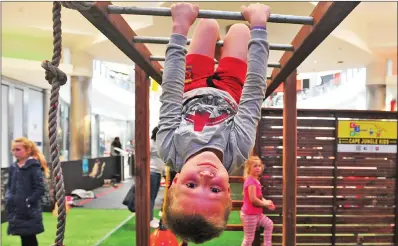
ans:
(56, 78)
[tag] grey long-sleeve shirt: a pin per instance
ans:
(209, 117)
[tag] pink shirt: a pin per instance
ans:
(248, 208)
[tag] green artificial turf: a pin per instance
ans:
(126, 235)
(84, 227)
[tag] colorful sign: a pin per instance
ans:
(85, 167)
(367, 136)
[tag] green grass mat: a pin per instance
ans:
(126, 235)
(84, 227)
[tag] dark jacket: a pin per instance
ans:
(23, 199)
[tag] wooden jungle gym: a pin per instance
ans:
(300, 148)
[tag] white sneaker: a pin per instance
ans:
(154, 223)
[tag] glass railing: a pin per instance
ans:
(327, 86)
(121, 79)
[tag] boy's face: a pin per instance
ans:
(202, 186)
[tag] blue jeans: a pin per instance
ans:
(154, 188)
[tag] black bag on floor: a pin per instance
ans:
(129, 199)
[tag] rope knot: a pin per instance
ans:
(77, 5)
(54, 72)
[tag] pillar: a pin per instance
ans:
(80, 118)
(376, 84)
(46, 109)
(80, 106)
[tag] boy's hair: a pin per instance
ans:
(249, 163)
(193, 227)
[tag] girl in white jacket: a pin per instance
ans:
(157, 167)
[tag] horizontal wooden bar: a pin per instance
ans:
(220, 43)
(339, 113)
(318, 229)
(209, 14)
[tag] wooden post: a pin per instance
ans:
(258, 237)
(257, 144)
(142, 198)
(396, 199)
(334, 191)
(289, 160)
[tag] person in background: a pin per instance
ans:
(115, 143)
(157, 167)
(114, 152)
(253, 203)
(130, 147)
(24, 190)
(130, 150)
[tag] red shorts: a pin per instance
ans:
(229, 76)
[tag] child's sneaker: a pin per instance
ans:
(154, 223)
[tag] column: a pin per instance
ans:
(80, 106)
(46, 109)
(80, 118)
(376, 84)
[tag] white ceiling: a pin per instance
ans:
(370, 28)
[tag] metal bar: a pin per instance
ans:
(327, 16)
(117, 30)
(268, 77)
(220, 43)
(208, 14)
(289, 160)
(162, 58)
(142, 180)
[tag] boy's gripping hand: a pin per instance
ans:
(256, 14)
(183, 16)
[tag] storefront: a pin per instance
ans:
(22, 111)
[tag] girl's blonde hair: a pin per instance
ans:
(34, 152)
(249, 163)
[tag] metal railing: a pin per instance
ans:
(318, 90)
(122, 80)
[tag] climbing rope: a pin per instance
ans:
(80, 6)
(56, 78)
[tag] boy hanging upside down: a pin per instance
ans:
(208, 118)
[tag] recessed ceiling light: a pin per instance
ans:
(315, 62)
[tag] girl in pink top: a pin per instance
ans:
(253, 203)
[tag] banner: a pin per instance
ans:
(367, 136)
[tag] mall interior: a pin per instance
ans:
(355, 68)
